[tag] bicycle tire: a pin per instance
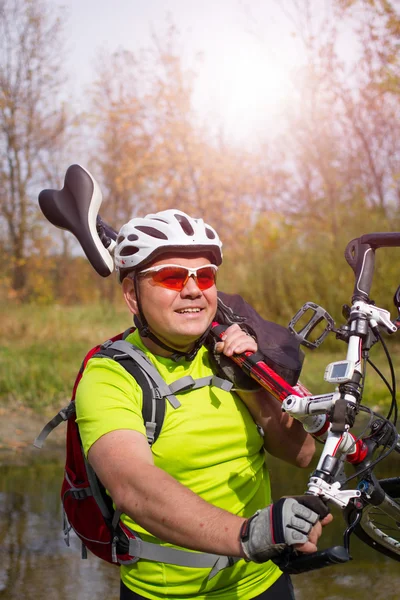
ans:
(376, 528)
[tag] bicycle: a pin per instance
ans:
(329, 417)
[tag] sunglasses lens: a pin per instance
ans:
(172, 278)
(175, 278)
(205, 278)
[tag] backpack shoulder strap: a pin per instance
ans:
(153, 408)
(126, 349)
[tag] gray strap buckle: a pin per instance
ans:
(80, 494)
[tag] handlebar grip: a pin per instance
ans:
(381, 240)
(361, 258)
(293, 564)
(360, 254)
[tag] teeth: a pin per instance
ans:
(189, 310)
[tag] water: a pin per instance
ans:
(369, 575)
(35, 563)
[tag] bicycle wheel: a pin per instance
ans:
(377, 528)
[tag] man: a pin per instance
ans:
(198, 486)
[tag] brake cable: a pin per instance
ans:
(383, 454)
(393, 407)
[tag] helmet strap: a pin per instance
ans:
(145, 332)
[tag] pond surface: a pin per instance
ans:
(36, 564)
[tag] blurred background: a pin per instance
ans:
(277, 122)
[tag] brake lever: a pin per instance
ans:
(376, 315)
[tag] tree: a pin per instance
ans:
(343, 142)
(379, 26)
(340, 159)
(153, 153)
(32, 118)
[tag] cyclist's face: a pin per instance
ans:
(178, 318)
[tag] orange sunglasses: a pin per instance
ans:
(175, 277)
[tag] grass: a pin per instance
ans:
(43, 347)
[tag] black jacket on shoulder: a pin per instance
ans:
(280, 348)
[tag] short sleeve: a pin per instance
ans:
(108, 398)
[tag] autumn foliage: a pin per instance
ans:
(285, 208)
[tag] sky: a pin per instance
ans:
(248, 52)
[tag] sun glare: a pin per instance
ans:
(248, 88)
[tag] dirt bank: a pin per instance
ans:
(19, 426)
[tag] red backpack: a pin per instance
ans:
(88, 509)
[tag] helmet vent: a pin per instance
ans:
(152, 232)
(129, 251)
(133, 237)
(210, 234)
(184, 223)
(120, 239)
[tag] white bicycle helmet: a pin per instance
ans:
(142, 240)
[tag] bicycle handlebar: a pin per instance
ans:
(360, 255)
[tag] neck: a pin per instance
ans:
(155, 348)
(159, 351)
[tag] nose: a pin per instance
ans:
(191, 289)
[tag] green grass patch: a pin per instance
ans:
(44, 346)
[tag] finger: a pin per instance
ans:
(305, 513)
(231, 330)
(235, 342)
(235, 332)
(300, 525)
(247, 344)
(315, 533)
(219, 347)
(328, 519)
(238, 342)
(240, 347)
(293, 536)
(306, 548)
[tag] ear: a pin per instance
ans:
(128, 289)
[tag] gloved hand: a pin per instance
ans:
(287, 522)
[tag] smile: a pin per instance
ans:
(188, 310)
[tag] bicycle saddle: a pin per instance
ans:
(75, 208)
